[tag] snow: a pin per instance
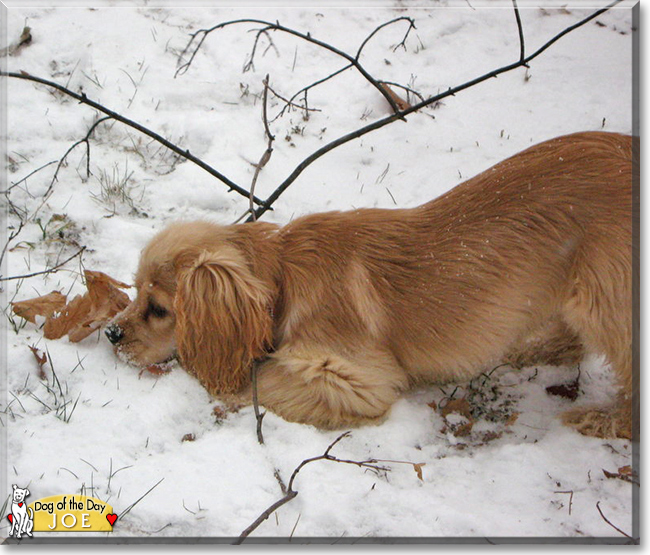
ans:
(505, 479)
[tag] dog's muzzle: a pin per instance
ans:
(114, 333)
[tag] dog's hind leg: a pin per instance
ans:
(329, 390)
(599, 309)
(554, 344)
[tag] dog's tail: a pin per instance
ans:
(29, 509)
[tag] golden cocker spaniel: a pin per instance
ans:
(527, 262)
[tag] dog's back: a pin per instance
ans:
(452, 286)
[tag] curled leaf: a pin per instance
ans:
(85, 314)
(45, 305)
(41, 360)
(418, 469)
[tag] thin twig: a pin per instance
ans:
(269, 147)
(86, 140)
(402, 44)
(250, 64)
(570, 494)
(612, 525)
(12, 236)
(256, 406)
(50, 271)
(8, 189)
(520, 29)
(305, 89)
(128, 509)
(290, 104)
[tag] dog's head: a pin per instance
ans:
(199, 298)
(19, 493)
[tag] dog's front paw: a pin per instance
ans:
(599, 422)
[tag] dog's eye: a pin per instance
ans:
(156, 310)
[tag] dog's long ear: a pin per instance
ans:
(223, 319)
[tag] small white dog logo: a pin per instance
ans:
(21, 522)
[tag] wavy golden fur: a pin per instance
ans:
(528, 262)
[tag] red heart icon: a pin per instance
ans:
(111, 518)
(20, 504)
(11, 518)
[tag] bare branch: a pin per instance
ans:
(49, 271)
(520, 29)
(353, 60)
(402, 43)
(250, 64)
(86, 140)
(308, 87)
(350, 65)
(24, 179)
(12, 236)
(269, 147)
(256, 406)
(83, 99)
(290, 104)
(291, 493)
(378, 124)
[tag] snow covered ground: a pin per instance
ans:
(519, 473)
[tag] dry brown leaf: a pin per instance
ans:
(399, 101)
(188, 437)
(569, 390)
(490, 436)
(512, 419)
(460, 406)
(418, 469)
(626, 470)
(57, 326)
(46, 305)
(219, 412)
(41, 360)
(156, 369)
(85, 314)
(624, 473)
(462, 430)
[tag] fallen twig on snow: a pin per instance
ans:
(635, 541)
(290, 493)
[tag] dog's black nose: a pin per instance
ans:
(114, 333)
